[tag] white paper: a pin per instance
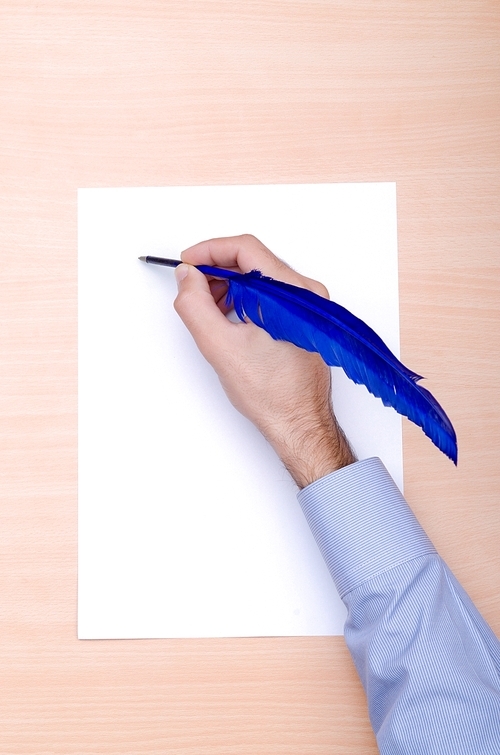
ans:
(188, 525)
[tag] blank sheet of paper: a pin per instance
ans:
(188, 525)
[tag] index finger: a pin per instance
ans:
(242, 253)
(245, 253)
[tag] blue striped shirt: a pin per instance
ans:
(429, 663)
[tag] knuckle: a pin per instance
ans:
(317, 288)
(251, 243)
(178, 304)
(180, 301)
(321, 290)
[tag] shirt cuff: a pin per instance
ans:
(362, 524)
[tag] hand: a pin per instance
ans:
(283, 390)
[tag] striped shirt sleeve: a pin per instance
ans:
(428, 661)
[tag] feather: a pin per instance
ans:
(297, 315)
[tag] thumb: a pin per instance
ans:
(180, 272)
(197, 309)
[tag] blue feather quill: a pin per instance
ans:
(297, 315)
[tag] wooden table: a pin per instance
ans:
(159, 92)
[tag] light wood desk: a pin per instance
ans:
(158, 92)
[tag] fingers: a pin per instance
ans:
(245, 253)
(197, 308)
(242, 252)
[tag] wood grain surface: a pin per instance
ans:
(167, 92)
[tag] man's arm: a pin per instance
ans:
(429, 663)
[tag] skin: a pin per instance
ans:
(285, 391)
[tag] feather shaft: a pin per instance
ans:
(297, 315)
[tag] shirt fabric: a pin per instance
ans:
(428, 661)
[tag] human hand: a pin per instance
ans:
(283, 390)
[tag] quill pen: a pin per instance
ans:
(294, 314)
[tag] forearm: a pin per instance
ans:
(428, 661)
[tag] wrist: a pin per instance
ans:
(313, 450)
